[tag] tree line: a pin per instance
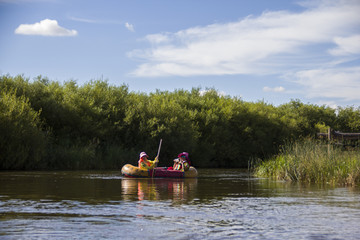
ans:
(51, 125)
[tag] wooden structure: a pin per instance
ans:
(340, 138)
(335, 135)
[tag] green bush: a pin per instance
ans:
(22, 142)
(99, 126)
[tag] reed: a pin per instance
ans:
(313, 161)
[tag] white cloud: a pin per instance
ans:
(330, 104)
(339, 83)
(157, 38)
(46, 27)
(204, 92)
(346, 45)
(271, 43)
(130, 27)
(99, 21)
(84, 20)
(275, 89)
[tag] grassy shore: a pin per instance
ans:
(312, 161)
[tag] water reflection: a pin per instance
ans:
(220, 204)
(177, 190)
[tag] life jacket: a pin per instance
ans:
(178, 166)
(143, 164)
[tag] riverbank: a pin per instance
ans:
(312, 161)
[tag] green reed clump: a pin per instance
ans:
(313, 161)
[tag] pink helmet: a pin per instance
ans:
(185, 155)
(143, 154)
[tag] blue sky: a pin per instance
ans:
(259, 50)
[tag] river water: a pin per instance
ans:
(220, 204)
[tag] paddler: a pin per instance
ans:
(145, 163)
(182, 162)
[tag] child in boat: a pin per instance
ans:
(144, 163)
(182, 162)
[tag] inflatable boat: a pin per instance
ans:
(129, 170)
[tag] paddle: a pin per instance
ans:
(157, 157)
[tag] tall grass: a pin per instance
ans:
(313, 161)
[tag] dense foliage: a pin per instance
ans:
(49, 125)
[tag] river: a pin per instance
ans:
(220, 204)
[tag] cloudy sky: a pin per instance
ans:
(259, 50)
